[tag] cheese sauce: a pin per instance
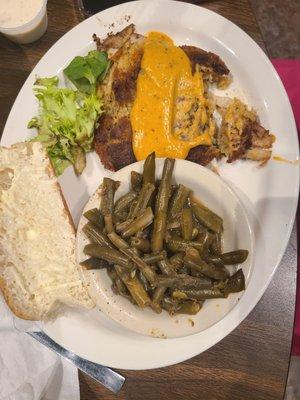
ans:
(169, 107)
(15, 13)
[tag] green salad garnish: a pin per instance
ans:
(85, 72)
(67, 118)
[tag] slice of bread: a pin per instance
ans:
(38, 269)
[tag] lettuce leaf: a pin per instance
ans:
(65, 123)
(86, 72)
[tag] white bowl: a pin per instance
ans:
(216, 194)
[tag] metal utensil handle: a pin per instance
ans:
(107, 377)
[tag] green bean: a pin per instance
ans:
(187, 224)
(193, 260)
(161, 206)
(165, 267)
(198, 294)
(105, 253)
(204, 238)
(112, 273)
(139, 223)
(234, 257)
(195, 233)
(183, 281)
(144, 281)
(177, 260)
(134, 287)
(96, 236)
(234, 284)
(142, 200)
(176, 244)
(149, 169)
(157, 298)
(216, 244)
(94, 263)
(211, 258)
(141, 244)
(125, 202)
(120, 288)
(206, 217)
(95, 216)
(178, 201)
(123, 246)
(154, 258)
(109, 187)
(189, 307)
(173, 225)
(136, 181)
(109, 225)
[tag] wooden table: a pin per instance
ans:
(250, 363)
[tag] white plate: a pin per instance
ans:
(215, 193)
(269, 193)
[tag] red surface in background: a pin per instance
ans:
(289, 72)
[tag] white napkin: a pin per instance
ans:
(28, 370)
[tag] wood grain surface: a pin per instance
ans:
(252, 362)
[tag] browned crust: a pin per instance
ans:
(203, 155)
(114, 41)
(205, 58)
(124, 84)
(254, 136)
(113, 142)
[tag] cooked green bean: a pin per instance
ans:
(212, 258)
(149, 169)
(141, 244)
(165, 267)
(161, 206)
(178, 201)
(171, 260)
(135, 288)
(206, 217)
(198, 294)
(157, 297)
(174, 306)
(173, 225)
(95, 216)
(105, 253)
(177, 260)
(189, 307)
(109, 187)
(144, 281)
(142, 200)
(123, 246)
(94, 263)
(136, 181)
(234, 257)
(154, 258)
(234, 284)
(139, 223)
(96, 236)
(216, 244)
(187, 224)
(183, 281)
(125, 202)
(112, 273)
(176, 244)
(195, 232)
(193, 260)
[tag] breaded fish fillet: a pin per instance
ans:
(113, 137)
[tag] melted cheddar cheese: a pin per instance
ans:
(169, 114)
